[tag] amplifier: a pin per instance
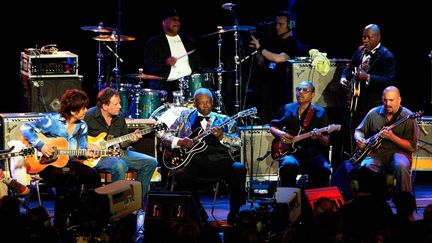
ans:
(255, 153)
(328, 92)
(60, 64)
(422, 159)
(147, 144)
(10, 135)
(119, 199)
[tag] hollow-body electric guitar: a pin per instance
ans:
(374, 142)
(179, 157)
(104, 144)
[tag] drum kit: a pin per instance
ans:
(138, 102)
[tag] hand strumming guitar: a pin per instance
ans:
(47, 150)
(185, 143)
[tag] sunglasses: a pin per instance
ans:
(304, 90)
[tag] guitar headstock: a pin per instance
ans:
(247, 112)
(27, 151)
(333, 127)
(416, 115)
(115, 152)
(160, 127)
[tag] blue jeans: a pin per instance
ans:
(143, 164)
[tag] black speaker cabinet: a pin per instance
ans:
(328, 92)
(47, 90)
(255, 153)
(147, 144)
(162, 207)
(422, 159)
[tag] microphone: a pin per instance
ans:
(228, 6)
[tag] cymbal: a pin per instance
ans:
(143, 76)
(113, 38)
(98, 29)
(226, 29)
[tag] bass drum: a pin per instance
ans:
(167, 113)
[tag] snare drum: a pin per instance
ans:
(194, 82)
(150, 100)
(124, 93)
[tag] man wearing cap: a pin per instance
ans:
(170, 54)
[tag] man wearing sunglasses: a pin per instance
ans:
(306, 156)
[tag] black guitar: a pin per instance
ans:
(374, 142)
(179, 157)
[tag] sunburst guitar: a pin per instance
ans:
(37, 162)
(104, 141)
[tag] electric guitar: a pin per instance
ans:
(104, 144)
(355, 90)
(374, 142)
(35, 163)
(280, 149)
(173, 159)
(8, 154)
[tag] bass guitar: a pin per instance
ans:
(35, 163)
(374, 142)
(104, 144)
(280, 149)
(173, 159)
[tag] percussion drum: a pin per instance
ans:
(150, 100)
(124, 93)
(194, 82)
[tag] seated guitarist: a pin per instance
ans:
(309, 157)
(216, 160)
(394, 155)
(106, 117)
(68, 124)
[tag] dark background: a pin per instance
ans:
(334, 27)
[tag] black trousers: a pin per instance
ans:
(67, 182)
(209, 166)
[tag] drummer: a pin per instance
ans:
(170, 55)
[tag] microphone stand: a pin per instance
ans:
(116, 69)
(99, 56)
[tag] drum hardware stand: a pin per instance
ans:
(237, 45)
(99, 56)
(219, 70)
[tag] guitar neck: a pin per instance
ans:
(208, 132)
(82, 152)
(123, 138)
(308, 134)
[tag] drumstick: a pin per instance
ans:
(190, 52)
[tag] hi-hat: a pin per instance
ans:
(113, 38)
(99, 29)
(226, 29)
(143, 76)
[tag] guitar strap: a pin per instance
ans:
(395, 117)
(308, 117)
